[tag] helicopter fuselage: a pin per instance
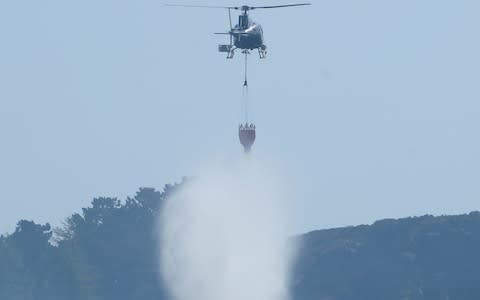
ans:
(249, 38)
(246, 36)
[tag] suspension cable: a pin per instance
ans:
(245, 97)
(246, 69)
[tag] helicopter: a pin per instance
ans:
(246, 35)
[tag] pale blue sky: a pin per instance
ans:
(372, 105)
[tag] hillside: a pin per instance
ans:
(413, 258)
(110, 251)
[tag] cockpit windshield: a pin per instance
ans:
(243, 21)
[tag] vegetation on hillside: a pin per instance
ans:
(109, 251)
(425, 257)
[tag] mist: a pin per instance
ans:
(223, 235)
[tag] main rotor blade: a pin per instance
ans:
(201, 6)
(279, 6)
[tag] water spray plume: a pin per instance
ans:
(224, 236)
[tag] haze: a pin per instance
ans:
(373, 105)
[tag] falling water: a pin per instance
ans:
(223, 235)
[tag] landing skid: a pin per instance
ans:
(231, 53)
(262, 53)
